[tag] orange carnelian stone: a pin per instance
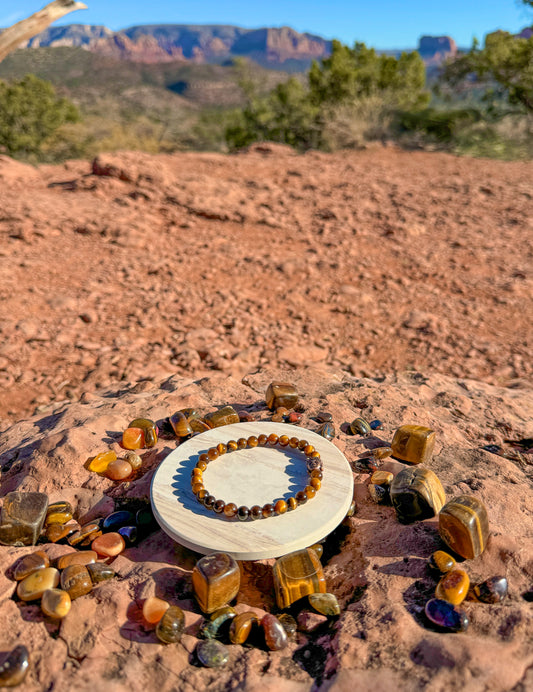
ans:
(154, 609)
(133, 438)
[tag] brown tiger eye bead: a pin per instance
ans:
(221, 448)
(243, 513)
(316, 473)
(230, 510)
(280, 507)
(232, 446)
(256, 512)
(197, 487)
(212, 453)
(202, 465)
(252, 441)
(302, 444)
(293, 442)
(301, 497)
(262, 440)
(314, 455)
(273, 439)
(268, 510)
(203, 457)
(201, 495)
(197, 473)
(209, 501)
(219, 506)
(292, 503)
(310, 491)
(309, 450)
(283, 440)
(242, 443)
(315, 483)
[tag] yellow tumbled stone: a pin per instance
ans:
(33, 587)
(56, 603)
(381, 478)
(453, 586)
(101, 461)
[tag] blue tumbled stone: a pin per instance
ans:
(376, 425)
(117, 519)
(445, 615)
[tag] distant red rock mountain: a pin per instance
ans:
(272, 47)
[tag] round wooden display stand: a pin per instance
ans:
(251, 477)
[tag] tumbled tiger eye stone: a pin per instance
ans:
(212, 654)
(170, 628)
(281, 394)
(382, 477)
(243, 513)
(275, 635)
(76, 580)
(150, 430)
(56, 603)
(198, 425)
(58, 513)
(14, 667)
(441, 562)
(327, 430)
(109, 544)
(268, 510)
(56, 532)
(325, 603)
(262, 440)
(119, 470)
(360, 426)
(99, 572)
(22, 518)
(296, 575)
(230, 510)
(180, 424)
(380, 494)
(288, 623)
(416, 493)
(493, 590)
(464, 526)
(29, 564)
(80, 557)
(280, 507)
(218, 507)
(216, 579)
(133, 459)
(154, 609)
(115, 520)
(219, 623)
(241, 626)
(224, 416)
(453, 586)
(33, 586)
(242, 443)
(445, 615)
(133, 438)
(292, 503)
(413, 443)
(256, 512)
(89, 531)
(273, 439)
(380, 453)
(100, 462)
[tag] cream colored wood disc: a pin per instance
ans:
(251, 477)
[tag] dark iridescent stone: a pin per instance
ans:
(379, 493)
(493, 449)
(416, 493)
(288, 623)
(209, 501)
(375, 425)
(327, 430)
(218, 624)
(145, 521)
(493, 590)
(129, 534)
(212, 654)
(219, 506)
(359, 426)
(14, 667)
(23, 515)
(99, 571)
(170, 628)
(117, 519)
(324, 417)
(441, 562)
(446, 615)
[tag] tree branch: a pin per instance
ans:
(12, 37)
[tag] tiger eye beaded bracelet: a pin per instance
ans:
(230, 509)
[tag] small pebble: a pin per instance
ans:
(493, 590)
(380, 453)
(375, 425)
(218, 623)
(324, 417)
(58, 513)
(382, 477)
(170, 628)
(89, 531)
(154, 609)
(29, 564)
(212, 654)
(109, 544)
(133, 459)
(56, 532)
(493, 449)
(56, 603)
(453, 586)
(359, 426)
(445, 615)
(119, 470)
(325, 603)
(33, 586)
(310, 621)
(275, 635)
(441, 562)
(245, 417)
(14, 667)
(99, 572)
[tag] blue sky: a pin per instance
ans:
(379, 23)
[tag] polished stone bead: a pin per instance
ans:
(230, 510)
(243, 513)
(493, 590)
(219, 623)
(380, 453)
(224, 416)
(308, 450)
(180, 425)
(464, 526)
(324, 417)
(445, 615)
(14, 667)
(302, 444)
(109, 544)
(212, 453)
(133, 438)
(268, 510)
(58, 513)
(256, 512)
(170, 628)
(359, 426)
(241, 626)
(212, 654)
(375, 425)
(201, 464)
(292, 503)
(99, 572)
(453, 586)
(100, 462)
(301, 497)
(197, 486)
(252, 441)
(293, 442)
(232, 446)
(209, 501)
(327, 430)
(29, 564)
(150, 430)
(416, 493)
(289, 624)
(316, 473)
(318, 548)
(380, 494)
(221, 448)
(441, 562)
(262, 440)
(273, 439)
(296, 575)
(310, 491)
(281, 394)
(133, 459)
(154, 609)
(275, 635)
(216, 579)
(218, 507)
(56, 532)
(87, 532)
(115, 520)
(129, 534)
(314, 465)
(413, 443)
(76, 580)
(382, 477)
(242, 443)
(80, 557)
(119, 470)
(56, 603)
(22, 518)
(280, 507)
(325, 603)
(33, 586)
